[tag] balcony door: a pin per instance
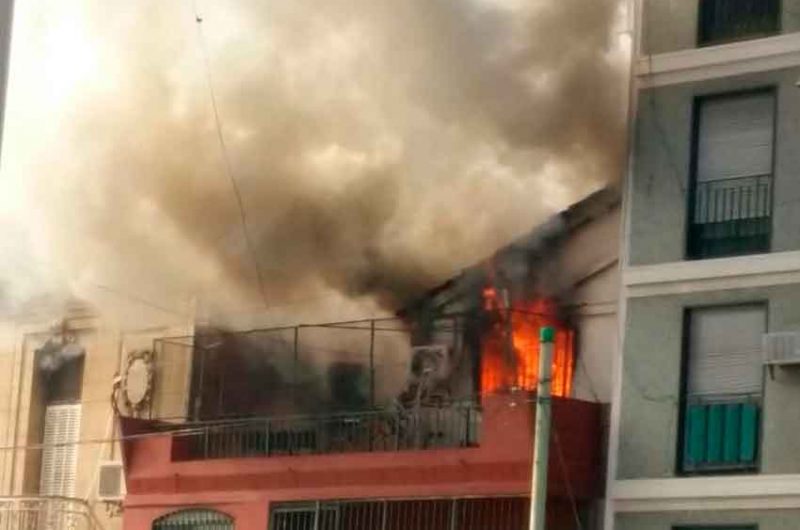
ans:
(731, 195)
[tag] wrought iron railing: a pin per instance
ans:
(721, 433)
(493, 513)
(45, 513)
(730, 20)
(730, 217)
(371, 431)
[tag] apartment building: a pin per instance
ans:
(420, 421)
(705, 421)
(60, 367)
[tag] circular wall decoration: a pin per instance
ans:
(137, 379)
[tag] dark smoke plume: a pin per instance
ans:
(378, 145)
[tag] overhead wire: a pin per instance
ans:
(226, 162)
(566, 476)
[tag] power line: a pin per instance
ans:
(225, 156)
(139, 299)
(565, 474)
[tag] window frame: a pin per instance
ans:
(705, 43)
(680, 442)
(694, 155)
(717, 527)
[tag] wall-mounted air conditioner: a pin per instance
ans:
(110, 482)
(782, 349)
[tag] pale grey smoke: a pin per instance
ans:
(379, 145)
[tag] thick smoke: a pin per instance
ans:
(378, 145)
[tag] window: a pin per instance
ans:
(57, 402)
(730, 20)
(752, 527)
(722, 389)
(730, 204)
(194, 520)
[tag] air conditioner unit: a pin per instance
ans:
(430, 362)
(782, 349)
(110, 482)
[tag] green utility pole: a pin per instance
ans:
(541, 436)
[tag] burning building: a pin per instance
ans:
(426, 417)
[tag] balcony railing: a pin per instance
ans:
(730, 217)
(503, 513)
(45, 513)
(372, 431)
(721, 434)
(730, 20)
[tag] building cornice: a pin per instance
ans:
(751, 492)
(698, 64)
(683, 277)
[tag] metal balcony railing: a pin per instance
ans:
(45, 513)
(721, 433)
(730, 20)
(372, 431)
(730, 217)
(498, 513)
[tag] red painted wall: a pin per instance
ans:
(244, 487)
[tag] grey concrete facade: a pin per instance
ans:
(652, 382)
(651, 372)
(663, 145)
(763, 520)
(671, 25)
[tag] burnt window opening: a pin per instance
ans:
(65, 384)
(54, 419)
(722, 21)
(60, 372)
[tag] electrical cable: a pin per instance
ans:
(228, 169)
(565, 474)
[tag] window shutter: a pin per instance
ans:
(60, 454)
(725, 351)
(735, 138)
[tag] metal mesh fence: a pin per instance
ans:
(300, 370)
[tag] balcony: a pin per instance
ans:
(452, 426)
(724, 21)
(46, 513)
(205, 462)
(721, 434)
(730, 217)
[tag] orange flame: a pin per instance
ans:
(498, 372)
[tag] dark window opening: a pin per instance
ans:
(65, 384)
(731, 20)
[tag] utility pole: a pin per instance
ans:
(541, 436)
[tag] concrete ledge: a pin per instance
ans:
(753, 492)
(697, 64)
(742, 272)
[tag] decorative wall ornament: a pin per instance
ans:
(137, 380)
